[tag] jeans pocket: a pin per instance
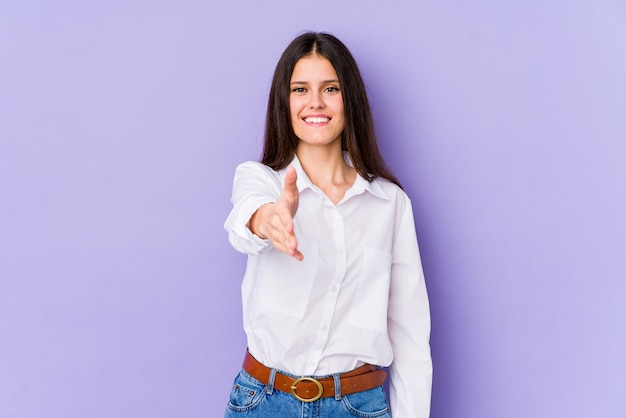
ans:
(247, 393)
(367, 404)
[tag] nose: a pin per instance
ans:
(316, 100)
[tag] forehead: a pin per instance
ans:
(312, 68)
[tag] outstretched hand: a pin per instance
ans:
(274, 221)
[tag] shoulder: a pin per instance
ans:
(255, 169)
(253, 177)
(252, 166)
(391, 190)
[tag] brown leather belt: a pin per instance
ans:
(308, 389)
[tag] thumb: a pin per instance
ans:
(291, 177)
(290, 189)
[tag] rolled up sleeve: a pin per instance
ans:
(254, 185)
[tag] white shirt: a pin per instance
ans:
(358, 296)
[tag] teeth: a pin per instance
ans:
(316, 120)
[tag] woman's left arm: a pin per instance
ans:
(408, 321)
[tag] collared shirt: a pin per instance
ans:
(358, 296)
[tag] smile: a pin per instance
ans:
(316, 119)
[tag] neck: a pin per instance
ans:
(327, 169)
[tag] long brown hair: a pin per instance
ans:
(358, 137)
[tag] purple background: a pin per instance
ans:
(121, 123)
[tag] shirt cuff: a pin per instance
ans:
(239, 235)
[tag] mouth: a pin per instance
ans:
(316, 119)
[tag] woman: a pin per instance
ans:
(334, 288)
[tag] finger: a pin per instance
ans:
(294, 252)
(285, 240)
(288, 224)
(281, 230)
(298, 256)
(291, 178)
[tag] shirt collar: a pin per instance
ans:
(360, 184)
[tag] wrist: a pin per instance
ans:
(256, 221)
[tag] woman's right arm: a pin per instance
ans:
(254, 185)
(262, 212)
(274, 221)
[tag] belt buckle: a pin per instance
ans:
(307, 379)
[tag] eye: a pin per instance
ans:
(332, 89)
(298, 90)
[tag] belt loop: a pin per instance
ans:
(270, 383)
(337, 387)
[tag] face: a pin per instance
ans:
(315, 102)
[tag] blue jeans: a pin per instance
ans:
(252, 399)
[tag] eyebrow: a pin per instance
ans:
(323, 82)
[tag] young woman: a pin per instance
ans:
(334, 289)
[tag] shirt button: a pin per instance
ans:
(334, 288)
(325, 328)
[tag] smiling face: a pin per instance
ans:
(315, 102)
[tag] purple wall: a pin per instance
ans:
(121, 124)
